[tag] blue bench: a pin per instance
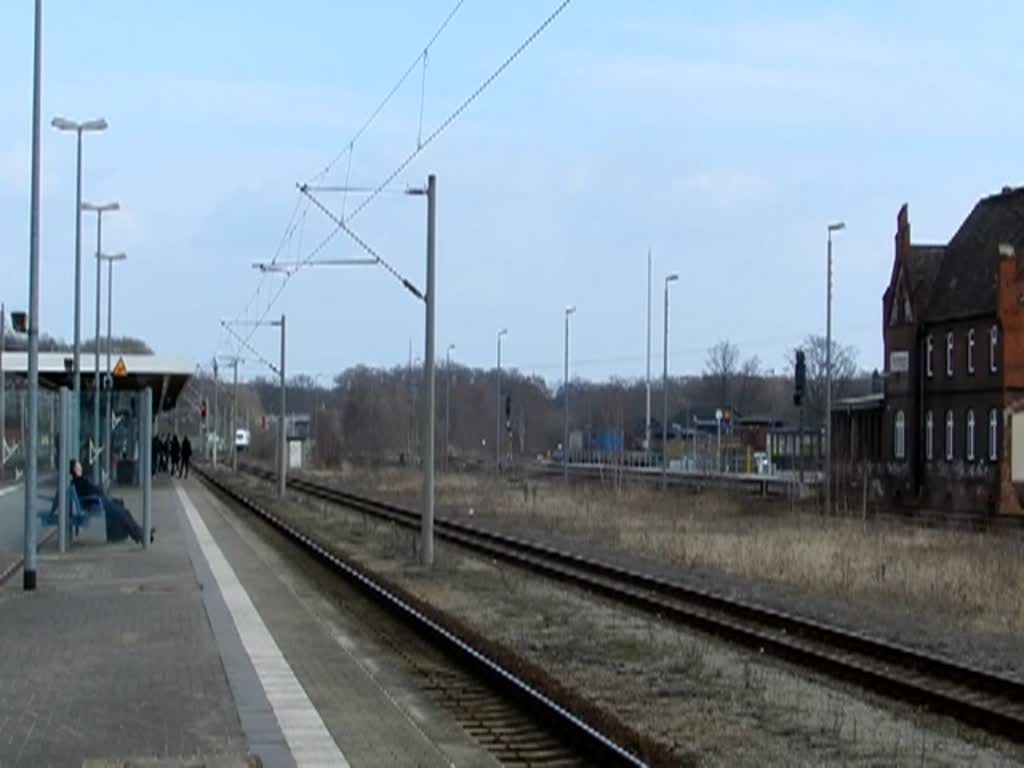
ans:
(80, 510)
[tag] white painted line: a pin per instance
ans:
(9, 489)
(308, 738)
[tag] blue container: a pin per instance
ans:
(608, 441)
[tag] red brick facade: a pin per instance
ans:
(949, 403)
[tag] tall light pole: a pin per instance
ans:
(282, 469)
(497, 408)
(647, 409)
(63, 124)
(447, 401)
(3, 390)
(664, 390)
(565, 424)
(109, 426)
(99, 210)
(828, 371)
(31, 479)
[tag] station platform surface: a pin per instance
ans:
(207, 649)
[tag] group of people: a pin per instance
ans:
(171, 455)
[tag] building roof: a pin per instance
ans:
(925, 261)
(165, 376)
(967, 280)
(860, 403)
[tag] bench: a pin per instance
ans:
(80, 510)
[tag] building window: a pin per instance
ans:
(993, 435)
(929, 436)
(929, 348)
(949, 353)
(970, 351)
(900, 436)
(993, 339)
(949, 435)
(970, 435)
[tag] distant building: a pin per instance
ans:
(940, 435)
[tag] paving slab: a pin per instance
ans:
(112, 657)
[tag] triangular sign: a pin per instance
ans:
(120, 370)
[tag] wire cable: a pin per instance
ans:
(342, 224)
(384, 102)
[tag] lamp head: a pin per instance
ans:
(837, 226)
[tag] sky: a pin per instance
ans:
(724, 137)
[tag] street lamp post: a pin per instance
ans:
(99, 210)
(647, 402)
(828, 371)
(664, 390)
(3, 391)
(63, 124)
(565, 424)
(31, 478)
(497, 409)
(447, 401)
(109, 426)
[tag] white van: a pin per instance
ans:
(241, 439)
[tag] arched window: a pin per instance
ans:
(929, 436)
(929, 347)
(970, 351)
(949, 353)
(949, 435)
(899, 436)
(993, 435)
(970, 435)
(993, 340)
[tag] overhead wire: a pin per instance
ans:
(342, 224)
(349, 148)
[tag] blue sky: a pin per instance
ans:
(724, 137)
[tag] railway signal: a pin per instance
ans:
(202, 410)
(800, 382)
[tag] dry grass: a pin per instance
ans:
(973, 580)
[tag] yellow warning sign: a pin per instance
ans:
(120, 370)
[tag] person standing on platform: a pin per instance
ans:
(175, 454)
(186, 457)
(157, 449)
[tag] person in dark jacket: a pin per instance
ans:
(120, 523)
(186, 457)
(157, 449)
(175, 454)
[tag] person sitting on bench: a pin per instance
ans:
(120, 523)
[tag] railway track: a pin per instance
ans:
(969, 694)
(514, 721)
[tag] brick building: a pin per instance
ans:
(953, 328)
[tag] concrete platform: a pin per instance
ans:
(208, 649)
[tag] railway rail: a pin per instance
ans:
(983, 699)
(513, 720)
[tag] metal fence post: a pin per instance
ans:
(146, 453)
(64, 465)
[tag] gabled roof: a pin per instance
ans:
(966, 282)
(925, 261)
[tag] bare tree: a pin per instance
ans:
(721, 365)
(844, 373)
(748, 395)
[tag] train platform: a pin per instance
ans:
(207, 649)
